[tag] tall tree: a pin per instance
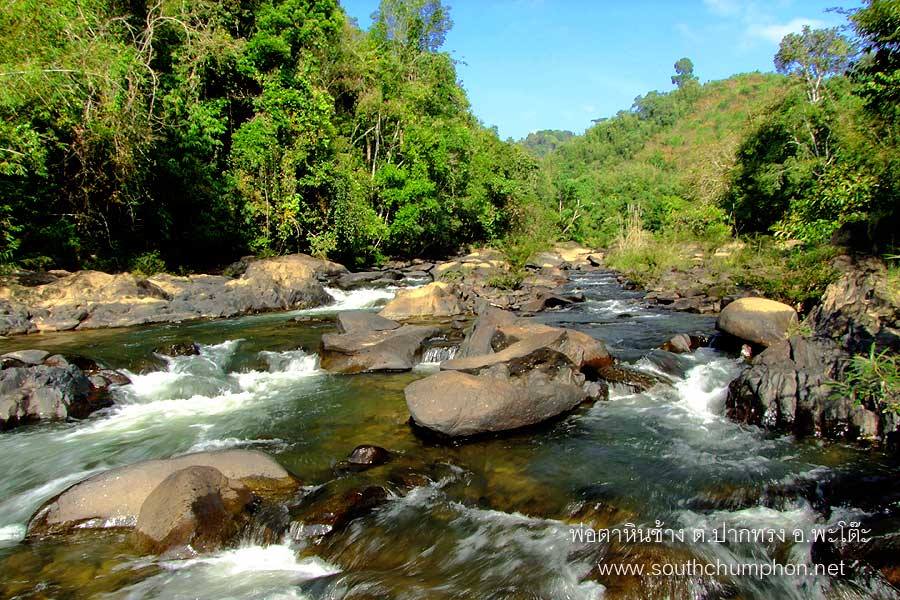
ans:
(684, 72)
(813, 55)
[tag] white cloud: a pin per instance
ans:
(775, 31)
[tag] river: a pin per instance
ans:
(495, 518)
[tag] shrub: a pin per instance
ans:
(147, 264)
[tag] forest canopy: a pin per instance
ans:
(186, 133)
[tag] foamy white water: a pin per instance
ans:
(251, 572)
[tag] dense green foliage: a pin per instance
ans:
(543, 142)
(799, 155)
(200, 130)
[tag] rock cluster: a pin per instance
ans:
(91, 299)
(36, 386)
(510, 373)
(790, 385)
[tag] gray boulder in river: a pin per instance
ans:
(36, 387)
(369, 342)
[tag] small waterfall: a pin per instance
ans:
(438, 354)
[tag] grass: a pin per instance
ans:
(872, 380)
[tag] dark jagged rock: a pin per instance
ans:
(40, 392)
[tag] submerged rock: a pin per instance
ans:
(114, 498)
(437, 299)
(758, 320)
(195, 507)
(368, 455)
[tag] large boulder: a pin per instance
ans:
(459, 404)
(381, 350)
(114, 498)
(757, 320)
(585, 352)
(43, 392)
(437, 299)
(195, 507)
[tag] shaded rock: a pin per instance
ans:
(42, 392)
(637, 380)
(595, 260)
(758, 320)
(458, 404)
(483, 331)
(27, 357)
(545, 300)
(385, 350)
(518, 357)
(437, 299)
(14, 318)
(114, 498)
(368, 455)
(194, 507)
(859, 309)
(333, 506)
(353, 321)
(691, 304)
(788, 387)
(596, 390)
(351, 281)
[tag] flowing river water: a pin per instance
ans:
(494, 518)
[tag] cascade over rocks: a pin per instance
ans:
(91, 299)
(116, 498)
(789, 386)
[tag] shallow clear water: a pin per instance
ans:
(495, 520)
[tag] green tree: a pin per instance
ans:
(684, 73)
(814, 55)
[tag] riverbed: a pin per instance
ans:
(494, 517)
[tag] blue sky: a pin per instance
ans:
(557, 64)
